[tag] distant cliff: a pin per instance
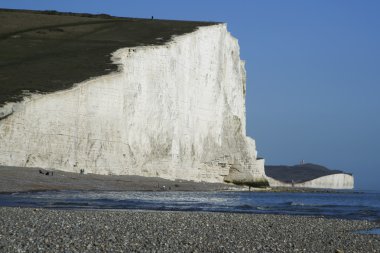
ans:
(308, 176)
(174, 110)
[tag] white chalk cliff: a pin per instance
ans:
(175, 111)
(333, 181)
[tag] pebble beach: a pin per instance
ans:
(57, 230)
(21, 179)
(46, 230)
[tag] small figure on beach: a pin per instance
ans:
(47, 173)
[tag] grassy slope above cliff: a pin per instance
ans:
(50, 51)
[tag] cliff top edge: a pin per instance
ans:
(100, 15)
(47, 51)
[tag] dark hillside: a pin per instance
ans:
(50, 51)
(298, 173)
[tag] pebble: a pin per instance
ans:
(145, 231)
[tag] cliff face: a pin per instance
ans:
(339, 181)
(175, 111)
(308, 175)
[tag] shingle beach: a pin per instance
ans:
(44, 230)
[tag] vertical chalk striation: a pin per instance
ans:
(175, 111)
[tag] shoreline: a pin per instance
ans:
(22, 179)
(25, 179)
(45, 230)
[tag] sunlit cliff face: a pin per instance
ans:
(175, 111)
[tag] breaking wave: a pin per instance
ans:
(346, 205)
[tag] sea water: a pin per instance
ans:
(346, 205)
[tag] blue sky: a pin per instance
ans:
(313, 72)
